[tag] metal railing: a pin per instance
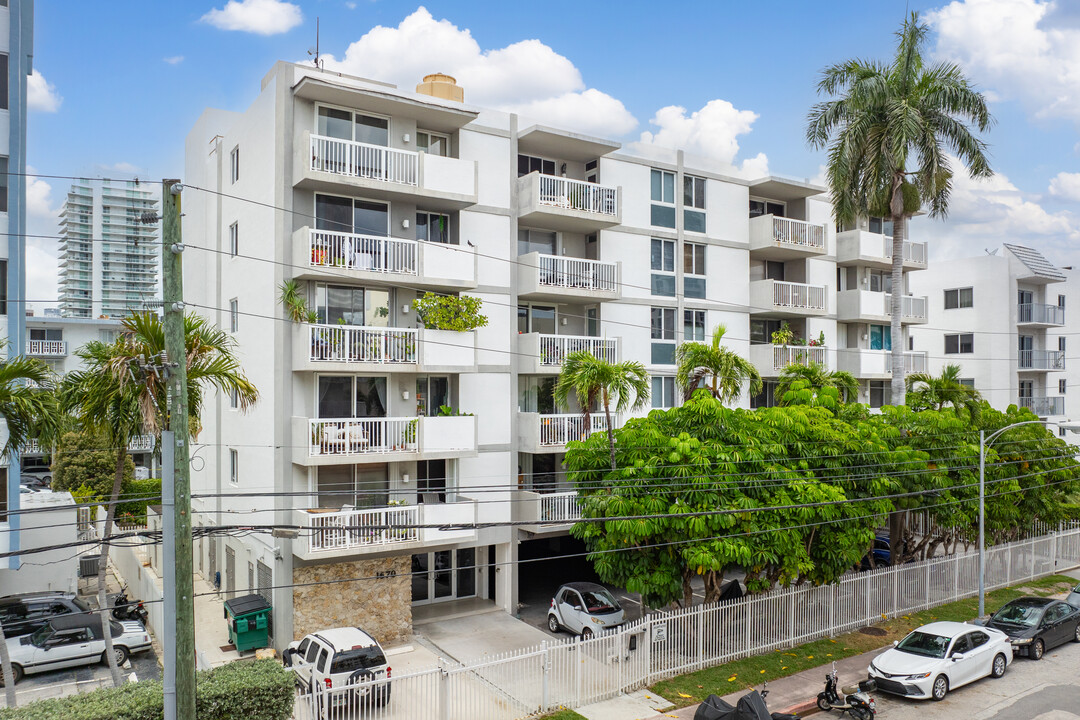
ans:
(798, 295)
(555, 348)
(911, 306)
(348, 251)
(798, 232)
(560, 507)
(46, 348)
(784, 355)
(563, 428)
(1041, 360)
(913, 251)
(1043, 406)
(357, 159)
(558, 271)
(359, 344)
(348, 529)
(1040, 313)
(362, 436)
(570, 194)
(914, 362)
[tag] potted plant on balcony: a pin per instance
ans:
(410, 433)
(294, 301)
(784, 335)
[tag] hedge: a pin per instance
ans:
(134, 511)
(260, 690)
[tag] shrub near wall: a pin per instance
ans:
(260, 690)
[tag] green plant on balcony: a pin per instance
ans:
(294, 301)
(447, 411)
(450, 312)
(784, 336)
(410, 432)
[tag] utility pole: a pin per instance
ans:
(183, 590)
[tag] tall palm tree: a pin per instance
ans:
(924, 391)
(723, 371)
(887, 128)
(30, 412)
(590, 379)
(818, 377)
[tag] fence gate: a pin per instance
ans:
(230, 573)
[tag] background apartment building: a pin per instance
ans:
(379, 195)
(108, 257)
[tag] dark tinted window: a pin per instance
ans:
(357, 659)
(978, 638)
(322, 661)
(312, 653)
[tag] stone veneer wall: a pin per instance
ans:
(382, 607)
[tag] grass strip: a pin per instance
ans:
(563, 715)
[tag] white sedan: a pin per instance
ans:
(940, 657)
(72, 641)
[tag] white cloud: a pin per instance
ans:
(527, 77)
(712, 131)
(174, 59)
(262, 17)
(41, 94)
(39, 200)
(1066, 186)
(1020, 48)
(41, 252)
(350, 5)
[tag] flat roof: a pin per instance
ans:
(564, 144)
(778, 188)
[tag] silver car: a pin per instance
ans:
(73, 641)
(1074, 597)
(584, 609)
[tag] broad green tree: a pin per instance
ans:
(927, 392)
(815, 377)
(624, 385)
(718, 369)
(86, 458)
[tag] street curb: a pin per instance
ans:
(802, 709)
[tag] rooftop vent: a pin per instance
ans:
(441, 86)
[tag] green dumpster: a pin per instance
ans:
(249, 622)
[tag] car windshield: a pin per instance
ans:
(925, 644)
(81, 604)
(357, 659)
(40, 635)
(599, 601)
(1019, 614)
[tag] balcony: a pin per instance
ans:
(46, 348)
(550, 433)
(877, 364)
(776, 297)
(538, 353)
(1043, 406)
(867, 306)
(328, 255)
(326, 163)
(333, 441)
(779, 238)
(560, 278)
(1040, 315)
(771, 359)
(1040, 360)
(336, 533)
(875, 250)
(139, 444)
(351, 348)
(559, 203)
(548, 512)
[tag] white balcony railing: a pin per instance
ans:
(1041, 360)
(361, 160)
(1040, 313)
(361, 436)
(914, 362)
(1043, 406)
(558, 271)
(46, 348)
(784, 355)
(141, 443)
(913, 251)
(347, 251)
(800, 233)
(555, 348)
(355, 344)
(353, 529)
(570, 194)
(559, 507)
(561, 429)
(911, 306)
(798, 295)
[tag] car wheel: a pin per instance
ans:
(16, 672)
(998, 668)
(1076, 633)
(586, 634)
(940, 688)
(119, 652)
(553, 624)
(1038, 648)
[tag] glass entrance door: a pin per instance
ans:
(443, 575)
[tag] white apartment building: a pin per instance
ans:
(1002, 318)
(108, 257)
(368, 196)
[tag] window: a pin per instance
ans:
(881, 225)
(766, 207)
(765, 398)
(234, 467)
(54, 334)
(1061, 343)
(663, 328)
(662, 184)
(342, 305)
(967, 382)
(433, 143)
(959, 298)
(343, 396)
(880, 393)
(761, 331)
(1061, 432)
(3, 183)
(234, 240)
(234, 164)
(536, 319)
(880, 282)
(433, 227)
(694, 264)
(693, 197)
(1027, 388)
(880, 337)
(694, 325)
(1062, 384)
(4, 80)
(3, 495)
(342, 214)
(541, 241)
(663, 392)
(963, 343)
(431, 394)
(662, 257)
(1061, 301)
(774, 270)
(234, 315)
(529, 164)
(234, 398)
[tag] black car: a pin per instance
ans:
(24, 613)
(1034, 625)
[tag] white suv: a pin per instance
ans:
(346, 666)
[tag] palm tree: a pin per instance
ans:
(926, 392)
(724, 371)
(590, 379)
(817, 377)
(30, 412)
(887, 128)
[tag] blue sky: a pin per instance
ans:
(122, 82)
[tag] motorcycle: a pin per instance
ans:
(750, 706)
(124, 609)
(855, 700)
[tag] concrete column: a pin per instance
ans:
(506, 569)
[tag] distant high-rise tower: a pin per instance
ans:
(108, 257)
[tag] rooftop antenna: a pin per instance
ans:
(315, 51)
